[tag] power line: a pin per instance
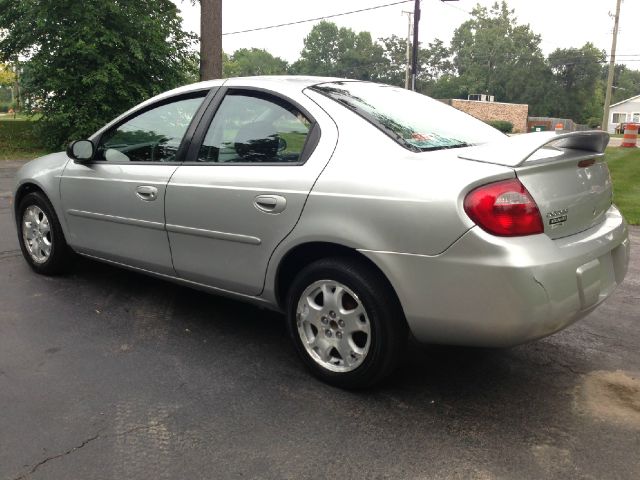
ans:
(457, 7)
(317, 18)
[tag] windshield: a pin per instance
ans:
(415, 121)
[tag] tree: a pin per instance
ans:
(395, 60)
(7, 82)
(89, 61)
(210, 39)
(7, 77)
(577, 75)
(434, 61)
(625, 81)
(255, 61)
(493, 54)
(341, 52)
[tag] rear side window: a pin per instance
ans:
(255, 129)
(415, 121)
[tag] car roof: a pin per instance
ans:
(279, 83)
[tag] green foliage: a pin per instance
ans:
(395, 59)
(7, 76)
(493, 54)
(255, 61)
(434, 62)
(502, 125)
(332, 51)
(19, 139)
(594, 122)
(579, 92)
(89, 61)
(627, 83)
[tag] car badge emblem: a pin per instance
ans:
(557, 217)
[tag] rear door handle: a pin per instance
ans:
(147, 193)
(270, 203)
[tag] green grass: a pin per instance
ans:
(624, 164)
(18, 139)
(9, 117)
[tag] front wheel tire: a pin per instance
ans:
(345, 322)
(40, 235)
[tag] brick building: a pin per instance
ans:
(516, 113)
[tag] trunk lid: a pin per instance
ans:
(565, 174)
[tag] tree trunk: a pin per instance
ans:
(210, 39)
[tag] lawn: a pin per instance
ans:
(624, 164)
(18, 140)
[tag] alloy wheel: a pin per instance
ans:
(36, 233)
(333, 326)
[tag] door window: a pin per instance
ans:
(152, 136)
(255, 129)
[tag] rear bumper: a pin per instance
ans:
(495, 291)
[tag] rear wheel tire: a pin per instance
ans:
(345, 322)
(40, 235)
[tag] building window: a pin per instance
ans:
(635, 117)
(619, 118)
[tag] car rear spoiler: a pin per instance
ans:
(516, 150)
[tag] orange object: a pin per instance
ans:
(630, 138)
(559, 127)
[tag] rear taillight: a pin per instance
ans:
(504, 208)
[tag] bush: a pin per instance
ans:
(6, 106)
(502, 125)
(594, 122)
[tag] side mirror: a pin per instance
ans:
(81, 150)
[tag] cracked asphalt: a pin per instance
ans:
(108, 374)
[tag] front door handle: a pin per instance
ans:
(147, 193)
(270, 203)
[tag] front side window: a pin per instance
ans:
(250, 128)
(415, 121)
(152, 136)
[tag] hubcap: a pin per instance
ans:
(333, 326)
(36, 233)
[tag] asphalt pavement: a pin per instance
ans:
(108, 374)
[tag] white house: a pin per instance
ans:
(625, 111)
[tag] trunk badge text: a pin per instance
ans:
(557, 217)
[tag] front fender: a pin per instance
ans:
(44, 173)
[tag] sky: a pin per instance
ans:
(561, 23)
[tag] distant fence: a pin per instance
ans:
(541, 124)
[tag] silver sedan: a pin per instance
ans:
(365, 212)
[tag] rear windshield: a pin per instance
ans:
(415, 121)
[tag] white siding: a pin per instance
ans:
(630, 107)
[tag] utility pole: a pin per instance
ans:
(407, 70)
(414, 55)
(612, 69)
(210, 39)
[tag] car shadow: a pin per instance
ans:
(150, 309)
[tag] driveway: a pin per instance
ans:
(107, 374)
